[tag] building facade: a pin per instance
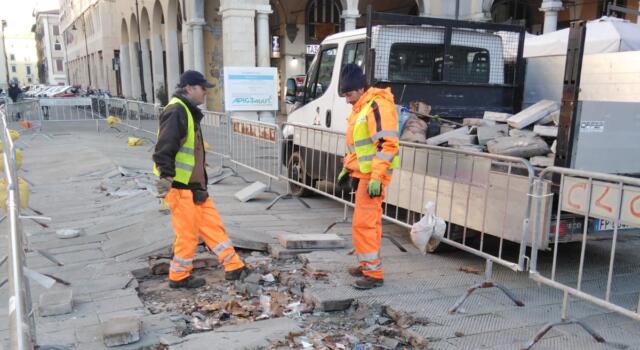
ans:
(22, 58)
(153, 41)
(50, 48)
(4, 67)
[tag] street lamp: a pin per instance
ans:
(143, 94)
(86, 46)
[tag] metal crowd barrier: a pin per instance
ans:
(598, 274)
(21, 321)
(484, 198)
(215, 131)
(254, 145)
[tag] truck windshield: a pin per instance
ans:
(415, 62)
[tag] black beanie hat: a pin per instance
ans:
(351, 78)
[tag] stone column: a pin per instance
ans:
(146, 69)
(262, 36)
(125, 70)
(551, 9)
(197, 26)
(238, 39)
(134, 73)
(172, 52)
(264, 47)
(158, 67)
(350, 17)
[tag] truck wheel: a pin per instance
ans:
(296, 171)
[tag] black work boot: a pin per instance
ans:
(189, 282)
(356, 271)
(368, 283)
(236, 274)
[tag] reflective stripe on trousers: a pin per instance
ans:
(191, 221)
(367, 230)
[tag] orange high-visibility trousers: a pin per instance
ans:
(191, 221)
(367, 230)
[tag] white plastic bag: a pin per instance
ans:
(430, 226)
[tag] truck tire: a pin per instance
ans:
(296, 171)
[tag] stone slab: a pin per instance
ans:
(56, 302)
(248, 239)
(477, 122)
(553, 146)
(250, 192)
(121, 331)
(327, 302)
(533, 114)
(255, 335)
(277, 251)
(496, 116)
(542, 161)
(546, 131)
(488, 133)
(553, 117)
(521, 133)
(310, 240)
(463, 140)
(442, 138)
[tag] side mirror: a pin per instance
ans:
(291, 87)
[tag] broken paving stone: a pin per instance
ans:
(250, 192)
(553, 117)
(121, 330)
(521, 133)
(324, 302)
(463, 140)
(161, 266)
(553, 146)
(56, 302)
(279, 252)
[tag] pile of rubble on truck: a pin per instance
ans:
(529, 134)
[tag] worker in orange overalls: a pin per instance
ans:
(179, 162)
(372, 154)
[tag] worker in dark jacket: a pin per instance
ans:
(179, 162)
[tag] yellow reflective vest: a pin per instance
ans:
(364, 145)
(185, 158)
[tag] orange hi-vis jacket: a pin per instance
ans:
(382, 119)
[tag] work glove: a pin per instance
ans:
(343, 180)
(375, 188)
(163, 185)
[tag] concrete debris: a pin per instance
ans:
(463, 140)
(488, 133)
(68, 233)
(521, 133)
(546, 131)
(524, 147)
(56, 302)
(477, 122)
(541, 161)
(121, 330)
(533, 114)
(250, 192)
(496, 116)
(442, 138)
(553, 146)
(553, 117)
(310, 241)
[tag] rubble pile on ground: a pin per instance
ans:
(529, 134)
(273, 289)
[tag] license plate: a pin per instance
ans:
(606, 225)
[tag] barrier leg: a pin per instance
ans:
(547, 327)
(345, 220)
(484, 285)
